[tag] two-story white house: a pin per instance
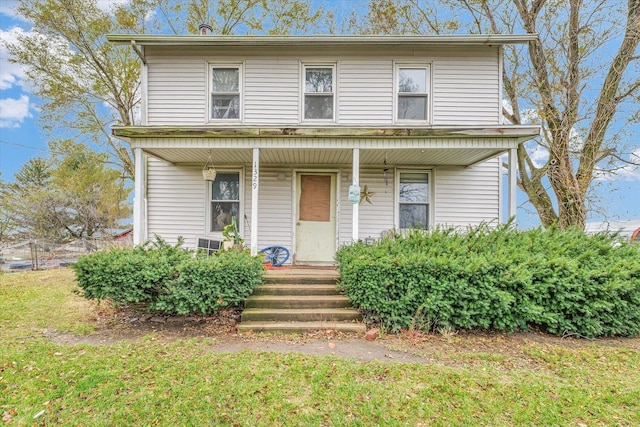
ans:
(318, 141)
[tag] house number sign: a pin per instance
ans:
(354, 194)
(254, 179)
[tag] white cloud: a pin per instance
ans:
(9, 8)
(10, 74)
(107, 5)
(625, 172)
(14, 111)
(538, 154)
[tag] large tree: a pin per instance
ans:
(88, 84)
(74, 194)
(579, 80)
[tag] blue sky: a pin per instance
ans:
(21, 139)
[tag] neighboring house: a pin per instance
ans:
(624, 228)
(293, 125)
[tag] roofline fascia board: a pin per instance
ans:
(522, 133)
(288, 41)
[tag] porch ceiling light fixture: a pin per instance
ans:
(209, 171)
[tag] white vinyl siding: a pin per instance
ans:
(275, 215)
(177, 91)
(465, 86)
(176, 198)
(468, 196)
(366, 92)
(375, 217)
(272, 91)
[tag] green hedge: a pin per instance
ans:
(169, 279)
(563, 282)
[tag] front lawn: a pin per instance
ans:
(155, 380)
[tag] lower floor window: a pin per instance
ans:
(225, 200)
(413, 209)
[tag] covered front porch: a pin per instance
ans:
(275, 163)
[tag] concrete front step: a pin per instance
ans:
(301, 327)
(293, 289)
(300, 315)
(301, 279)
(297, 301)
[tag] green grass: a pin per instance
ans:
(153, 381)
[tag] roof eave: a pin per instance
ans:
(288, 41)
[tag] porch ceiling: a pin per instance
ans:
(409, 157)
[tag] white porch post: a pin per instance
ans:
(513, 153)
(139, 223)
(255, 186)
(355, 181)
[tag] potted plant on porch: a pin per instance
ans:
(232, 238)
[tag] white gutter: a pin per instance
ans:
(288, 41)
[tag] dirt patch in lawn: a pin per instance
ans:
(467, 348)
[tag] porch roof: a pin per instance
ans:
(450, 146)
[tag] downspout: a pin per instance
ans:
(138, 52)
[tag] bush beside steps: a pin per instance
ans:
(168, 278)
(562, 282)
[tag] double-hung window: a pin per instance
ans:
(224, 201)
(319, 92)
(412, 93)
(226, 92)
(413, 200)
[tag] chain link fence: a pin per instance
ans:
(44, 254)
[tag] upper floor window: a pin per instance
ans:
(225, 92)
(319, 92)
(412, 91)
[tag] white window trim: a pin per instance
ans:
(210, 67)
(431, 209)
(334, 84)
(240, 220)
(396, 70)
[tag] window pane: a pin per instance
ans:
(412, 107)
(318, 80)
(225, 106)
(414, 216)
(318, 107)
(413, 80)
(226, 187)
(221, 213)
(226, 80)
(315, 198)
(414, 187)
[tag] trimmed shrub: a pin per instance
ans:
(563, 282)
(169, 279)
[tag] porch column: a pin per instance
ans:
(354, 180)
(513, 154)
(139, 223)
(255, 186)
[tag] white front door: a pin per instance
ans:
(316, 217)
